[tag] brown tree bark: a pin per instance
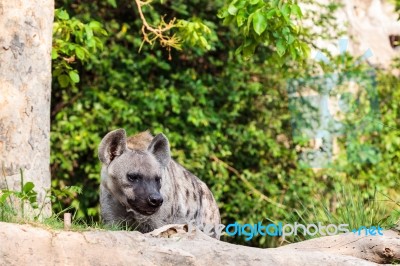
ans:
(25, 86)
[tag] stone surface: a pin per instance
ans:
(170, 245)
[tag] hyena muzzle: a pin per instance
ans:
(144, 189)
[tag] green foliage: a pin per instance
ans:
(267, 22)
(192, 33)
(73, 41)
(397, 5)
(27, 194)
(8, 199)
(227, 119)
(79, 225)
(350, 208)
(196, 33)
(272, 23)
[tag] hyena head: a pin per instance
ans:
(134, 177)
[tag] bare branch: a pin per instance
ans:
(151, 34)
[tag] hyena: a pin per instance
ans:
(143, 188)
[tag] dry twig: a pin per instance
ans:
(151, 34)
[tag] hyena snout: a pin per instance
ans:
(155, 200)
(147, 204)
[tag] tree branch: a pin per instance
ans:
(158, 32)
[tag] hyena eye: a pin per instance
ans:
(158, 179)
(134, 177)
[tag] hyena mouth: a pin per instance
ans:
(148, 210)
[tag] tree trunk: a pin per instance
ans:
(25, 86)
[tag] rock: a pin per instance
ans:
(29, 245)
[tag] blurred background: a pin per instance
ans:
(233, 105)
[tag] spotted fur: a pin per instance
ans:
(185, 197)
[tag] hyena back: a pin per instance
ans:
(143, 188)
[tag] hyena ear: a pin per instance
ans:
(112, 145)
(159, 147)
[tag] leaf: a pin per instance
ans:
(74, 189)
(280, 47)
(227, 20)
(271, 13)
(293, 52)
(4, 196)
(62, 14)
(285, 10)
(74, 76)
(95, 25)
(297, 11)
(248, 51)
(285, 30)
(54, 54)
(305, 49)
(80, 53)
(232, 9)
(89, 32)
(223, 13)
(63, 80)
(240, 4)
(28, 187)
(204, 43)
(249, 21)
(259, 22)
(290, 38)
(239, 50)
(241, 17)
(112, 3)
(99, 43)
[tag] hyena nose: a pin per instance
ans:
(155, 200)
